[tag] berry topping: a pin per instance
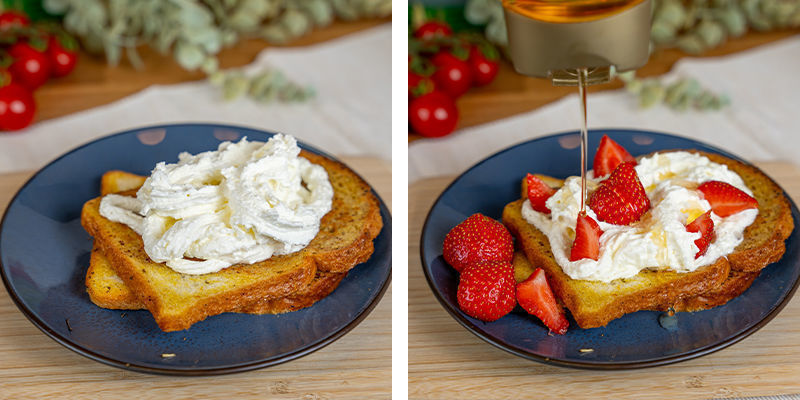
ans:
(726, 199)
(478, 238)
(705, 226)
(587, 239)
(538, 193)
(621, 198)
(609, 155)
(535, 296)
(486, 290)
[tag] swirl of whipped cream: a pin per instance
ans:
(243, 203)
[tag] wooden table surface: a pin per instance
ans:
(448, 362)
(357, 366)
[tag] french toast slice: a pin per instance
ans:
(107, 290)
(595, 303)
(177, 300)
(763, 244)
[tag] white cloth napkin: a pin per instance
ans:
(350, 115)
(761, 124)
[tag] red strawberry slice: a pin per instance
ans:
(609, 155)
(587, 239)
(621, 198)
(486, 290)
(478, 238)
(705, 226)
(535, 296)
(726, 199)
(538, 193)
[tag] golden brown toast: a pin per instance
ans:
(107, 290)
(596, 303)
(177, 300)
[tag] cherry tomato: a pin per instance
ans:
(432, 29)
(16, 107)
(453, 75)
(31, 67)
(433, 115)
(483, 69)
(419, 85)
(62, 60)
(12, 18)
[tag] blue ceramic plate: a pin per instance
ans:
(633, 341)
(44, 253)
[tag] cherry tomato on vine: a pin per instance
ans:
(62, 60)
(433, 115)
(16, 107)
(483, 69)
(432, 29)
(419, 85)
(31, 67)
(453, 75)
(12, 18)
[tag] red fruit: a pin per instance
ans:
(486, 290)
(609, 155)
(726, 199)
(621, 198)
(535, 296)
(16, 107)
(31, 67)
(453, 75)
(705, 226)
(476, 239)
(62, 59)
(433, 115)
(538, 193)
(419, 85)
(484, 69)
(10, 18)
(587, 239)
(432, 29)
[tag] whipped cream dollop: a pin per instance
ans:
(659, 240)
(242, 203)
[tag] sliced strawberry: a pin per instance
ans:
(478, 238)
(726, 199)
(587, 239)
(609, 155)
(486, 290)
(538, 193)
(705, 226)
(535, 296)
(621, 198)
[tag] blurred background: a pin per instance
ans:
(719, 71)
(75, 70)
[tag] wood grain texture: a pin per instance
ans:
(357, 366)
(448, 362)
(94, 83)
(510, 93)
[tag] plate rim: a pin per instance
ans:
(594, 365)
(199, 371)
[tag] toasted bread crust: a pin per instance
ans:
(736, 283)
(594, 304)
(345, 239)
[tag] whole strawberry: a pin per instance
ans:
(486, 290)
(478, 238)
